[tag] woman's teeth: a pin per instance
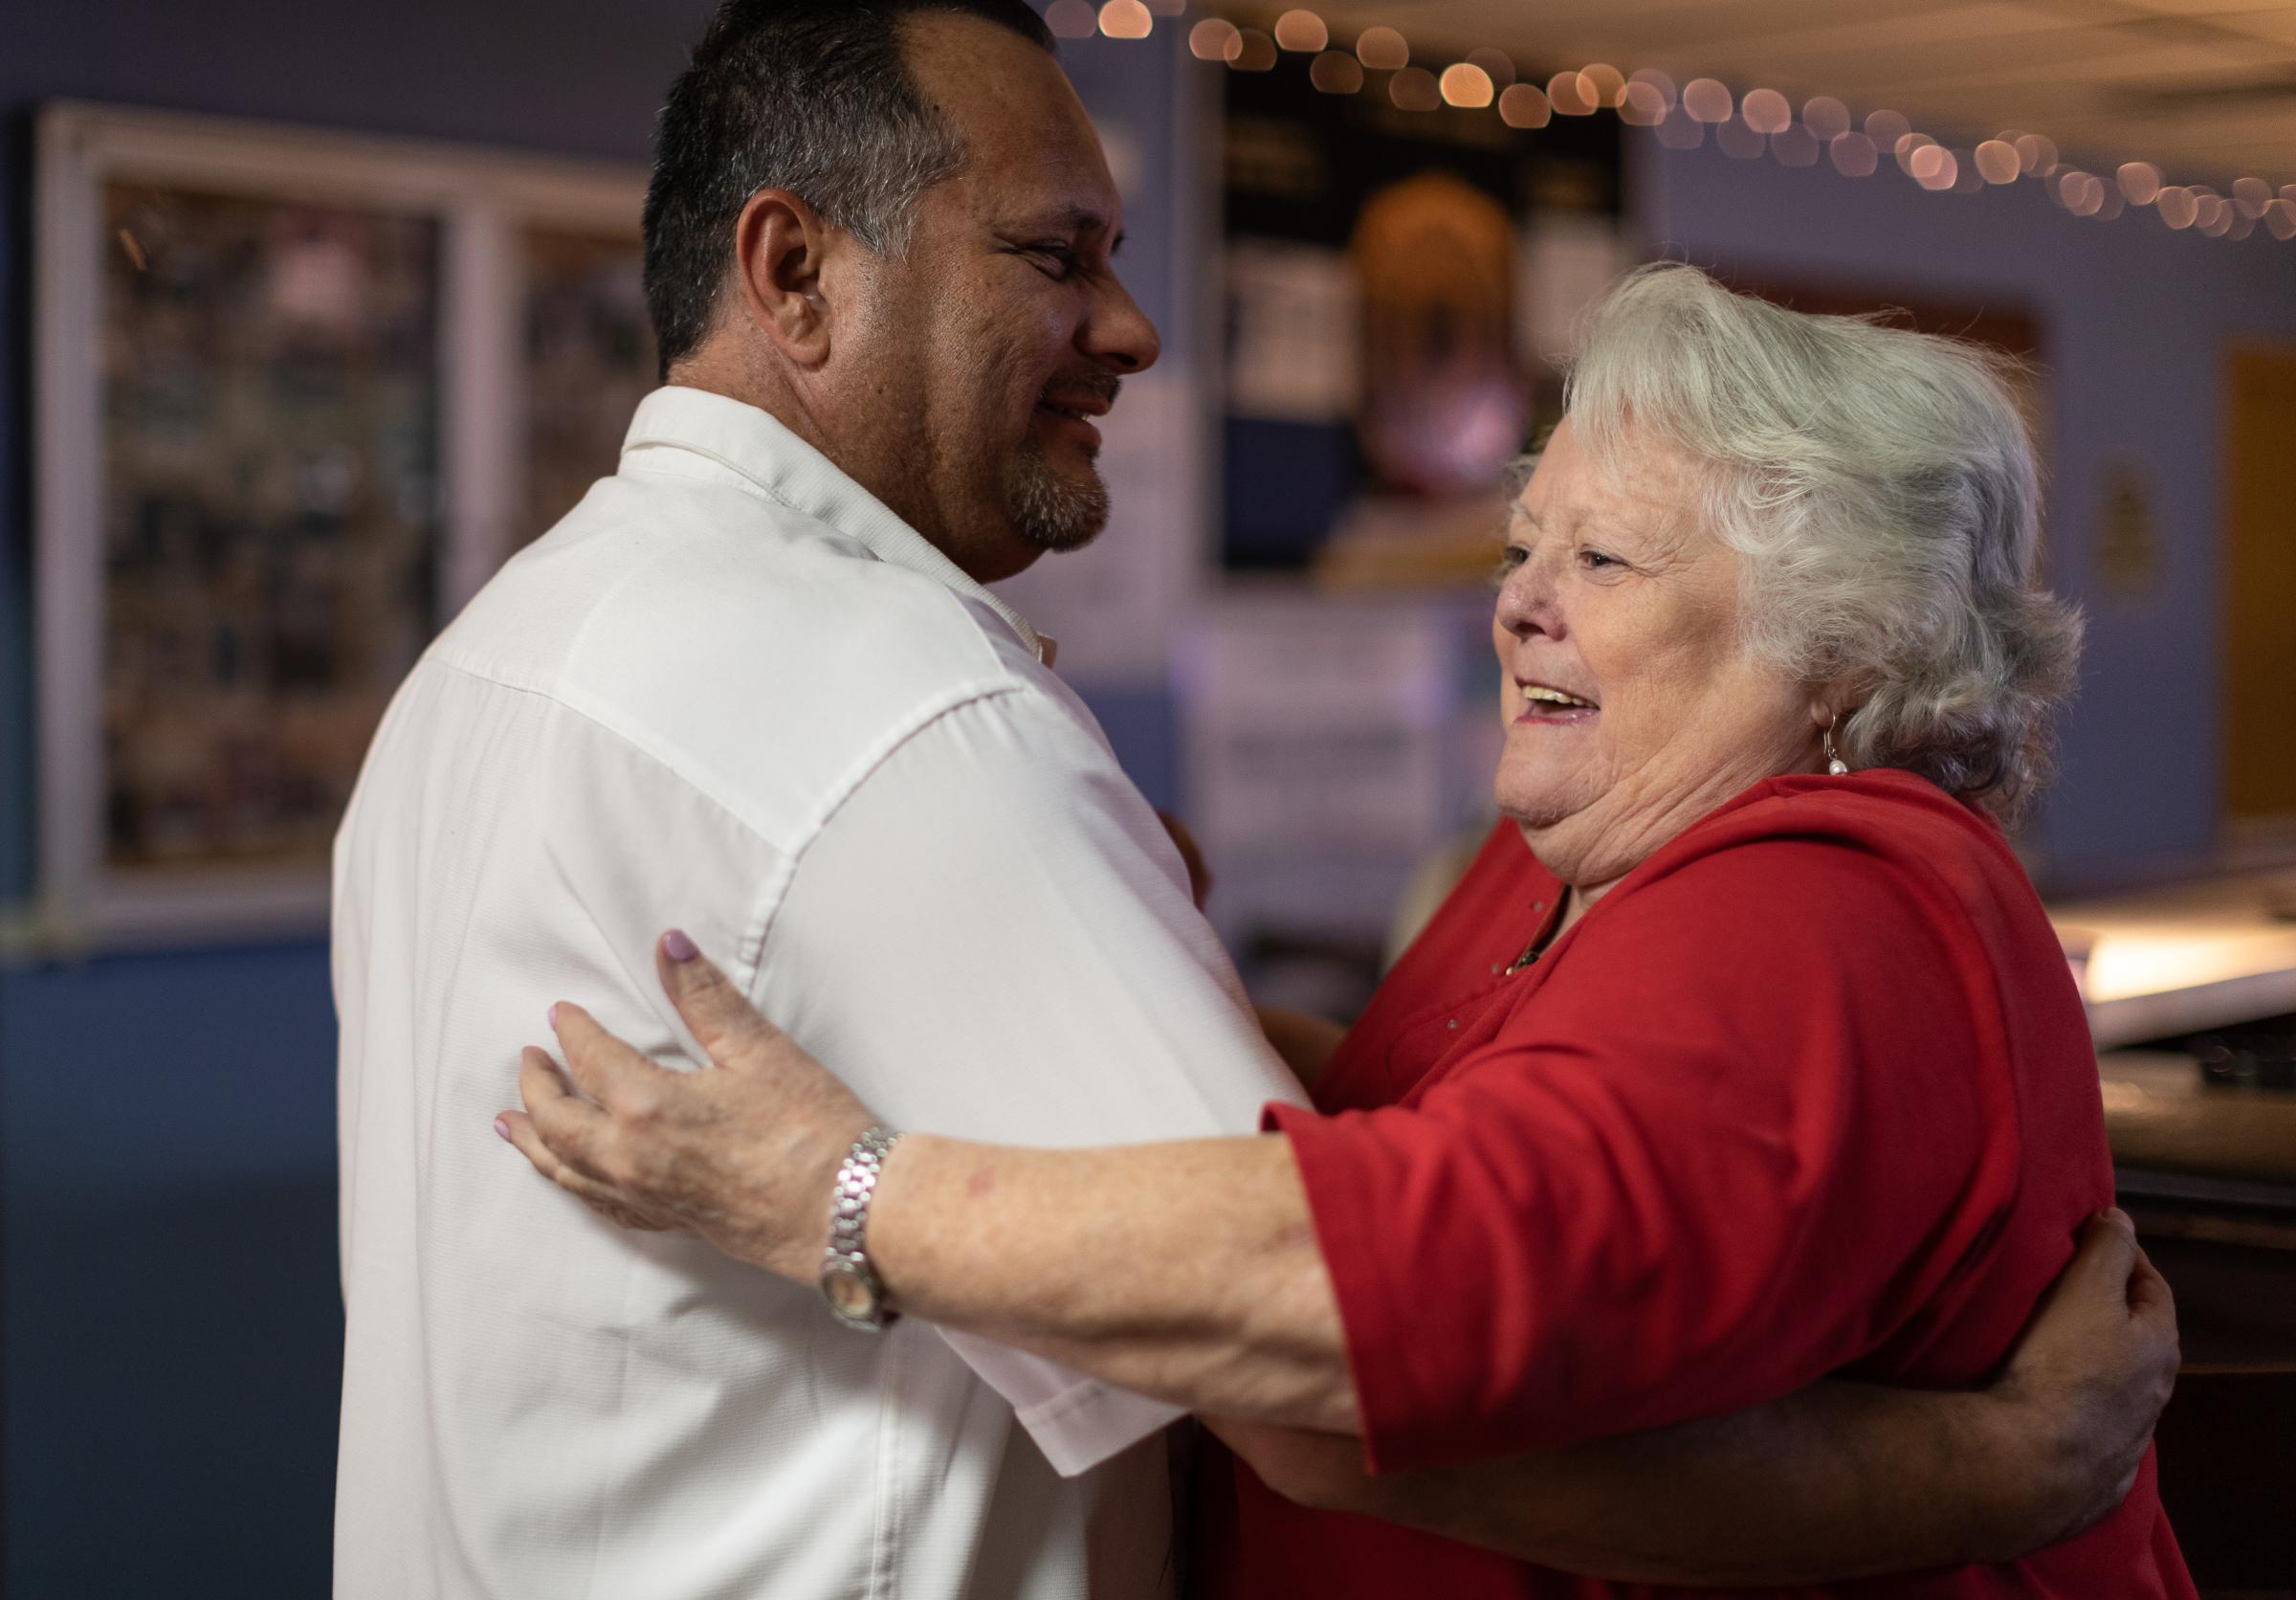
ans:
(1544, 695)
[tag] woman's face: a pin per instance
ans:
(1632, 708)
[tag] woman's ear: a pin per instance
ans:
(780, 244)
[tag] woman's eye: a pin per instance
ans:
(1509, 558)
(1594, 561)
(1058, 260)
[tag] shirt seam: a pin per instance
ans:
(585, 707)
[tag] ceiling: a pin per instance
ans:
(2205, 88)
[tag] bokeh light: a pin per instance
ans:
(1254, 52)
(1707, 100)
(1660, 84)
(1997, 162)
(1301, 31)
(1072, 19)
(1524, 106)
(1932, 166)
(1826, 117)
(1885, 128)
(1212, 39)
(1336, 73)
(1382, 50)
(1414, 89)
(1853, 155)
(1465, 85)
(2035, 153)
(2139, 181)
(1127, 20)
(1569, 95)
(1766, 111)
(1602, 84)
(1642, 106)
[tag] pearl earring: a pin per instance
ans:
(1835, 766)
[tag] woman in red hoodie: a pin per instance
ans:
(1743, 1056)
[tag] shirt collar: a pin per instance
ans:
(755, 446)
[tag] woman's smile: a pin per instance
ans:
(1544, 705)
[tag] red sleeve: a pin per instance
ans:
(1739, 1133)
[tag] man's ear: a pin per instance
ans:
(779, 246)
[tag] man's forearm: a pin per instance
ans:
(1839, 1481)
(1186, 1271)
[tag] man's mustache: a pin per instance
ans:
(1098, 384)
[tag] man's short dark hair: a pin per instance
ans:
(810, 96)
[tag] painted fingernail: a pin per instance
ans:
(553, 1016)
(502, 1131)
(677, 946)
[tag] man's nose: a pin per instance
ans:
(1117, 334)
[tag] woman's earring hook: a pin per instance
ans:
(1835, 766)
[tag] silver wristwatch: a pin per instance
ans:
(848, 1281)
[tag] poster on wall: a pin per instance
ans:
(269, 521)
(298, 393)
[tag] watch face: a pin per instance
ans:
(849, 1293)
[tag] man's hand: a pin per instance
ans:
(2092, 1374)
(745, 1155)
(1842, 1481)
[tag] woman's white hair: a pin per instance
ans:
(1881, 485)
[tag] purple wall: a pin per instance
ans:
(2134, 322)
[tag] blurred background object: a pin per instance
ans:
(317, 312)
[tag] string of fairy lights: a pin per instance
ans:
(1748, 127)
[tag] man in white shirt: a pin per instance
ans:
(753, 687)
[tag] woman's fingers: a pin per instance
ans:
(564, 1120)
(604, 1068)
(521, 1130)
(723, 1022)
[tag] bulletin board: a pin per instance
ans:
(299, 394)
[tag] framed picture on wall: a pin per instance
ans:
(299, 394)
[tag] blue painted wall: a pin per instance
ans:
(2134, 322)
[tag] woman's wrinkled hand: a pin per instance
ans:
(745, 1156)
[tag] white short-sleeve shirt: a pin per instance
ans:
(733, 693)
